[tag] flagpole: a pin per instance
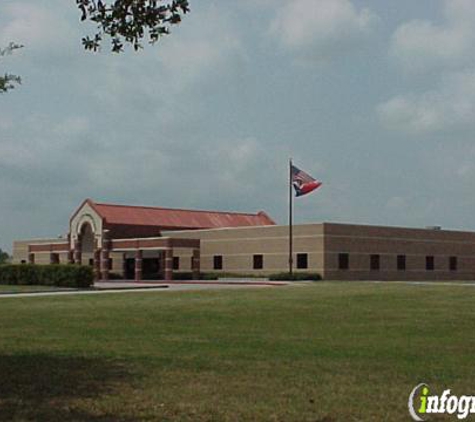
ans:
(290, 218)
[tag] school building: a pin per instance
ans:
(139, 243)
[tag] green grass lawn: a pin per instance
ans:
(26, 289)
(323, 352)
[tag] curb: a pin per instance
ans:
(213, 283)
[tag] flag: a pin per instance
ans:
(302, 182)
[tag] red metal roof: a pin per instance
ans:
(174, 219)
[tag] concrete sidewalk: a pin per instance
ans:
(132, 287)
(117, 284)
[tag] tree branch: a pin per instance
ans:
(8, 81)
(130, 21)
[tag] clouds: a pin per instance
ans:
(36, 25)
(421, 45)
(445, 50)
(130, 128)
(321, 28)
(162, 79)
(412, 112)
(46, 158)
(450, 105)
(208, 117)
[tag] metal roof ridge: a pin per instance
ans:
(181, 209)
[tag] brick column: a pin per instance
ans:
(169, 264)
(77, 252)
(31, 258)
(124, 265)
(161, 262)
(195, 268)
(138, 265)
(105, 264)
(97, 264)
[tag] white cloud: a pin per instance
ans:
(413, 113)
(208, 117)
(450, 105)
(320, 27)
(201, 49)
(49, 146)
(37, 26)
(185, 61)
(419, 45)
(446, 52)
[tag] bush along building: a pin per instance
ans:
(141, 243)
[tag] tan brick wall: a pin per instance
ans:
(322, 243)
(184, 255)
(20, 251)
(238, 245)
(362, 241)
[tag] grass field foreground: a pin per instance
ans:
(321, 352)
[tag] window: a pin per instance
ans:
(218, 262)
(23, 261)
(453, 263)
(302, 260)
(91, 262)
(343, 261)
(401, 262)
(176, 262)
(374, 262)
(258, 262)
(110, 263)
(429, 263)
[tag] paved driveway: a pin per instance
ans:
(132, 287)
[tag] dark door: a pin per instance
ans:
(130, 269)
(151, 269)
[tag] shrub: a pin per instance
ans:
(209, 276)
(299, 276)
(182, 275)
(240, 275)
(47, 275)
(188, 275)
(151, 276)
(218, 275)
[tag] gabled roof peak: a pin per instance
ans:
(174, 218)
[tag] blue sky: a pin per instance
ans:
(376, 99)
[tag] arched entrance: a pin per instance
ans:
(87, 240)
